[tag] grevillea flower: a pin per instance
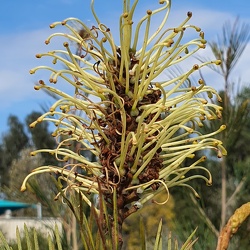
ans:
(139, 124)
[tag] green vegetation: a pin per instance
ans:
(125, 172)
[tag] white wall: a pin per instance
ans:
(46, 225)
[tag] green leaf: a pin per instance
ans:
(142, 234)
(4, 242)
(116, 226)
(58, 239)
(87, 238)
(27, 237)
(169, 241)
(18, 237)
(50, 243)
(35, 240)
(158, 240)
(189, 243)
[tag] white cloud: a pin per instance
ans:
(19, 50)
(211, 22)
(19, 56)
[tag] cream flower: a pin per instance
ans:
(139, 128)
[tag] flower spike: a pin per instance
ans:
(139, 125)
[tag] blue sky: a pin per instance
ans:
(24, 25)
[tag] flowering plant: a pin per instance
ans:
(140, 126)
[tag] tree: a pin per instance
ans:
(41, 137)
(17, 171)
(16, 139)
(40, 190)
(12, 144)
(229, 49)
(230, 174)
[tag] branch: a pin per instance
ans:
(207, 220)
(237, 190)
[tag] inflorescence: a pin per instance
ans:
(139, 127)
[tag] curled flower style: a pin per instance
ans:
(139, 126)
